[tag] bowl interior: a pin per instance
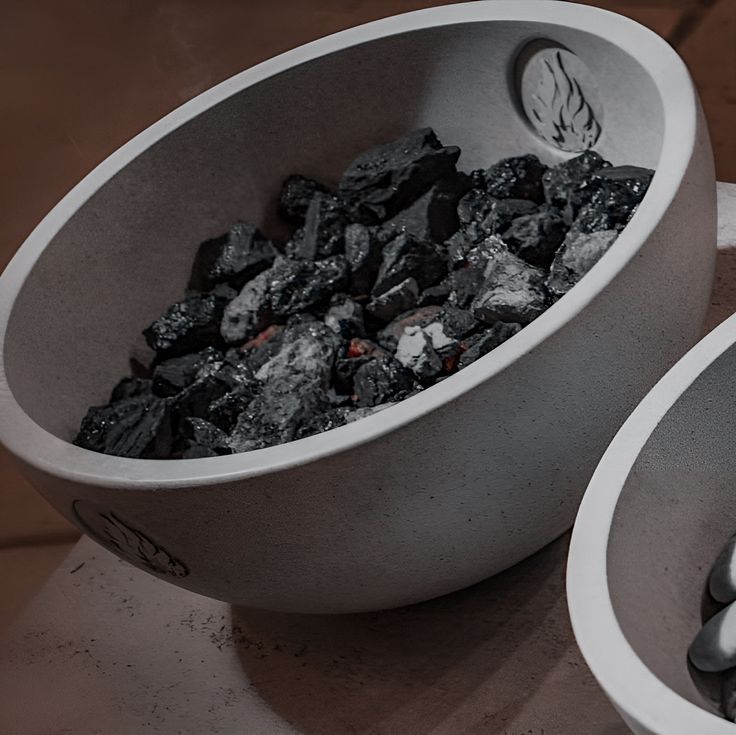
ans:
(124, 255)
(675, 513)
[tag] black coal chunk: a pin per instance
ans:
(482, 343)
(519, 177)
(512, 291)
(208, 385)
(233, 258)
(481, 215)
(345, 317)
(172, 376)
(396, 300)
(563, 182)
(578, 254)
(187, 326)
(261, 348)
(200, 438)
(536, 237)
(435, 295)
(298, 286)
(433, 216)
(288, 287)
(297, 192)
(131, 388)
(323, 232)
(390, 176)
(458, 323)
(406, 257)
(138, 427)
(465, 284)
(363, 255)
(616, 192)
(382, 380)
(225, 410)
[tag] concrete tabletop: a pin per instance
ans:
(105, 648)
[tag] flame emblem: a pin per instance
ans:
(558, 108)
(124, 540)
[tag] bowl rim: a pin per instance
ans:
(629, 683)
(38, 448)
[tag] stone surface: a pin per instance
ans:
(186, 326)
(233, 258)
(382, 380)
(390, 176)
(714, 647)
(578, 254)
(512, 291)
(519, 177)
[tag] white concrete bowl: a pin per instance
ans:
(447, 487)
(658, 510)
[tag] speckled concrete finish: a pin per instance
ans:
(116, 651)
(445, 488)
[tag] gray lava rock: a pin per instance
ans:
(233, 258)
(308, 352)
(519, 177)
(382, 380)
(415, 352)
(345, 317)
(297, 192)
(406, 257)
(138, 427)
(432, 217)
(275, 415)
(187, 326)
(579, 253)
(722, 579)
(363, 255)
(563, 182)
(536, 237)
(714, 647)
(395, 301)
(390, 176)
(512, 291)
(481, 344)
(250, 311)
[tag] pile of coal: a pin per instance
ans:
(405, 272)
(713, 651)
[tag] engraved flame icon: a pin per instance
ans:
(559, 110)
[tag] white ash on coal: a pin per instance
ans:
(406, 273)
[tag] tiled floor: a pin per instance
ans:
(80, 77)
